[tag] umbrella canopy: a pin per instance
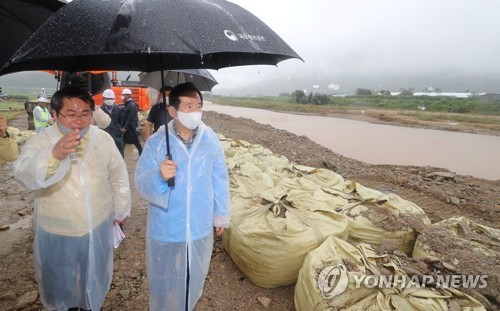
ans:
(19, 19)
(201, 78)
(148, 36)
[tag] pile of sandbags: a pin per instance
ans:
(340, 276)
(287, 218)
(274, 222)
(20, 136)
(281, 210)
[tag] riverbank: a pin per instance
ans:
(226, 287)
(369, 140)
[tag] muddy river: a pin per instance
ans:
(463, 153)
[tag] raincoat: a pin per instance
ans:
(76, 201)
(181, 219)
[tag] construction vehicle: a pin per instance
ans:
(97, 81)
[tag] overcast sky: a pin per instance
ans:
(386, 36)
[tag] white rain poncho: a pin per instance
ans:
(182, 217)
(75, 205)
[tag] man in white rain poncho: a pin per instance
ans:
(181, 218)
(82, 187)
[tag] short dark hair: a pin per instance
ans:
(72, 91)
(179, 90)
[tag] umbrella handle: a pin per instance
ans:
(171, 181)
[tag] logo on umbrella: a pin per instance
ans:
(230, 35)
(244, 36)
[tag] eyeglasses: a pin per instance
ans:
(73, 117)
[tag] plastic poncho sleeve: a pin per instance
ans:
(120, 186)
(53, 165)
(100, 118)
(148, 180)
(221, 185)
(32, 167)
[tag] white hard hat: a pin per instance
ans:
(42, 99)
(126, 92)
(108, 94)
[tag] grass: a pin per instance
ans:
(11, 109)
(453, 117)
(270, 103)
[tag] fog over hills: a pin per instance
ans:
(378, 45)
(347, 84)
(311, 81)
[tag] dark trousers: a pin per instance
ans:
(131, 137)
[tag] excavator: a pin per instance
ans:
(97, 81)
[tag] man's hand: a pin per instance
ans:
(66, 145)
(168, 169)
(3, 126)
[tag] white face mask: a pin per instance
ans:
(109, 102)
(66, 130)
(191, 120)
(122, 97)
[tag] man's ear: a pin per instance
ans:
(172, 112)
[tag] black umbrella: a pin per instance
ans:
(150, 35)
(201, 78)
(140, 35)
(19, 19)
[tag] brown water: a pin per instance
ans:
(463, 153)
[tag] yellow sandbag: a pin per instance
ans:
(485, 240)
(471, 248)
(20, 136)
(375, 217)
(240, 152)
(248, 181)
(333, 278)
(268, 240)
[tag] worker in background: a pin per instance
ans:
(111, 109)
(158, 114)
(41, 115)
(130, 120)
